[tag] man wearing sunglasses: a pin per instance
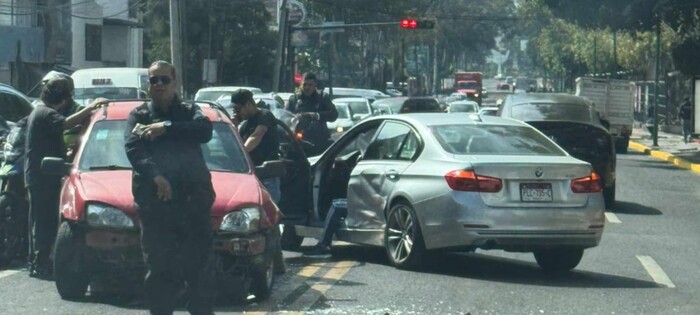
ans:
(315, 109)
(173, 193)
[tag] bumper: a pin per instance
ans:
(472, 224)
(248, 245)
(112, 240)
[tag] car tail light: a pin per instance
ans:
(467, 180)
(588, 184)
(299, 135)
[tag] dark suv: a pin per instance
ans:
(573, 123)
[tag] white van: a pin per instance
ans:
(110, 83)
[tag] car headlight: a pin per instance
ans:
(339, 129)
(244, 220)
(107, 216)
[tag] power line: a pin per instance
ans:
(40, 10)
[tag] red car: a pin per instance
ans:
(98, 237)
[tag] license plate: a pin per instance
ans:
(536, 192)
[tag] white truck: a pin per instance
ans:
(614, 101)
(110, 83)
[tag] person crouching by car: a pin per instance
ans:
(44, 138)
(259, 135)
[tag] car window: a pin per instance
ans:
(210, 95)
(462, 108)
(535, 111)
(105, 148)
(494, 140)
(421, 105)
(13, 107)
(409, 149)
(388, 143)
(360, 142)
(113, 93)
(359, 107)
(342, 110)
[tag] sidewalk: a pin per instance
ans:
(671, 148)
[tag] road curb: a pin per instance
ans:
(668, 157)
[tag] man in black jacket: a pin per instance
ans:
(313, 110)
(685, 113)
(173, 194)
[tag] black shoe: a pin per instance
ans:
(41, 271)
(318, 250)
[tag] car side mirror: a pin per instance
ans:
(357, 117)
(55, 166)
(271, 169)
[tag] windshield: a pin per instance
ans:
(104, 149)
(462, 108)
(494, 140)
(112, 93)
(467, 85)
(210, 96)
(359, 107)
(538, 112)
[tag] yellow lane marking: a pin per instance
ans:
(655, 271)
(665, 156)
(612, 218)
(319, 288)
(7, 273)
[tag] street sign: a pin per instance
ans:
(297, 13)
(330, 29)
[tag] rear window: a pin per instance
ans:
(112, 93)
(423, 105)
(359, 107)
(538, 112)
(494, 140)
(462, 108)
(342, 110)
(210, 96)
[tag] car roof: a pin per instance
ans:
(436, 119)
(11, 90)
(350, 99)
(553, 98)
(120, 110)
(229, 88)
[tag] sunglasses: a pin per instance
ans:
(160, 78)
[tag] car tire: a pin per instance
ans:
(403, 240)
(290, 240)
(622, 145)
(263, 276)
(558, 260)
(609, 196)
(71, 280)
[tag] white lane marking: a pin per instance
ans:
(655, 271)
(612, 218)
(7, 273)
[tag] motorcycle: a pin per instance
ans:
(14, 206)
(306, 131)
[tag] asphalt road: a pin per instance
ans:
(646, 264)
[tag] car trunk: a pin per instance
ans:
(537, 181)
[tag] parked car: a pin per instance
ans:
(360, 106)
(213, 93)
(98, 237)
(400, 105)
(13, 104)
(346, 119)
(573, 123)
(371, 95)
(419, 182)
(463, 107)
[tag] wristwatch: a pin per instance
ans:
(167, 124)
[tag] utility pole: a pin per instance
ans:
(436, 81)
(595, 55)
(656, 85)
(282, 31)
(176, 43)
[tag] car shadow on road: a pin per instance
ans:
(624, 207)
(492, 268)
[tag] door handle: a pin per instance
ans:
(392, 174)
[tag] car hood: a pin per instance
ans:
(233, 190)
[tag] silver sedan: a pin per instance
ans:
(421, 182)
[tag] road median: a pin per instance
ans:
(668, 157)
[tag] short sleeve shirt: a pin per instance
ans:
(268, 148)
(44, 139)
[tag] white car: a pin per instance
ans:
(360, 106)
(213, 93)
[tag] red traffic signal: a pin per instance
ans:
(413, 23)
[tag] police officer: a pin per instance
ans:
(173, 194)
(45, 126)
(313, 109)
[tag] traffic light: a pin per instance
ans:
(413, 23)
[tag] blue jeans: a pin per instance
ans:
(273, 187)
(335, 216)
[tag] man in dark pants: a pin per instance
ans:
(45, 127)
(314, 109)
(685, 113)
(173, 194)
